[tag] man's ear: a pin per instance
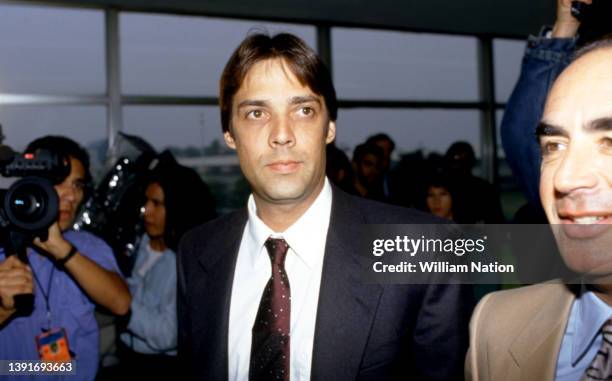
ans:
(229, 140)
(331, 132)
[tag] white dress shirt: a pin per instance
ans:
(304, 263)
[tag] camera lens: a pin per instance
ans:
(28, 203)
(31, 204)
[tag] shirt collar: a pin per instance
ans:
(306, 237)
(592, 314)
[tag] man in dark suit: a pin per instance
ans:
(274, 291)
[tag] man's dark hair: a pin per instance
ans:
(460, 153)
(338, 168)
(438, 180)
(367, 148)
(63, 146)
(379, 137)
(303, 62)
(604, 43)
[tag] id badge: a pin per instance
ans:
(53, 345)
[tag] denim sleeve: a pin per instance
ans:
(544, 59)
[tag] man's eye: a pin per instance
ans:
(552, 147)
(255, 114)
(607, 143)
(306, 111)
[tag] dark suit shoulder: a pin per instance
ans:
(214, 228)
(228, 227)
(376, 212)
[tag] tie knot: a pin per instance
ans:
(277, 249)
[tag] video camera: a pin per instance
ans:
(30, 205)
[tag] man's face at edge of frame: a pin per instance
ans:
(576, 171)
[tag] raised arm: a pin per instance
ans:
(105, 287)
(545, 57)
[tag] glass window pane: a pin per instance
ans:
(193, 134)
(51, 50)
(371, 64)
(507, 55)
(427, 130)
(184, 55)
(84, 124)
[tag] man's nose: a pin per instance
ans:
(282, 133)
(577, 170)
(67, 193)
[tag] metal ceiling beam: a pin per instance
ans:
(499, 18)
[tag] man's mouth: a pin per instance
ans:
(588, 220)
(585, 219)
(585, 225)
(284, 166)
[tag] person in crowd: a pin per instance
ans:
(439, 198)
(367, 165)
(70, 273)
(176, 201)
(561, 329)
(338, 169)
(274, 290)
(408, 177)
(387, 144)
(479, 200)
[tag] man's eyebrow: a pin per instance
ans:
(601, 124)
(547, 129)
(304, 99)
(252, 102)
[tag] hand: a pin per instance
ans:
(55, 244)
(15, 279)
(566, 25)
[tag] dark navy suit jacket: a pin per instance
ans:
(363, 331)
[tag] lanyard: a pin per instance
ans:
(46, 295)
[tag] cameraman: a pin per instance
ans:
(70, 273)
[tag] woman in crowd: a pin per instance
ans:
(176, 201)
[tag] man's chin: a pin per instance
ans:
(284, 196)
(585, 250)
(286, 193)
(65, 224)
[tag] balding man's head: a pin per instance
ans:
(576, 174)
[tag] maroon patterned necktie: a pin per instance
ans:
(270, 345)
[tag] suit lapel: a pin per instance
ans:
(536, 347)
(347, 305)
(212, 295)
